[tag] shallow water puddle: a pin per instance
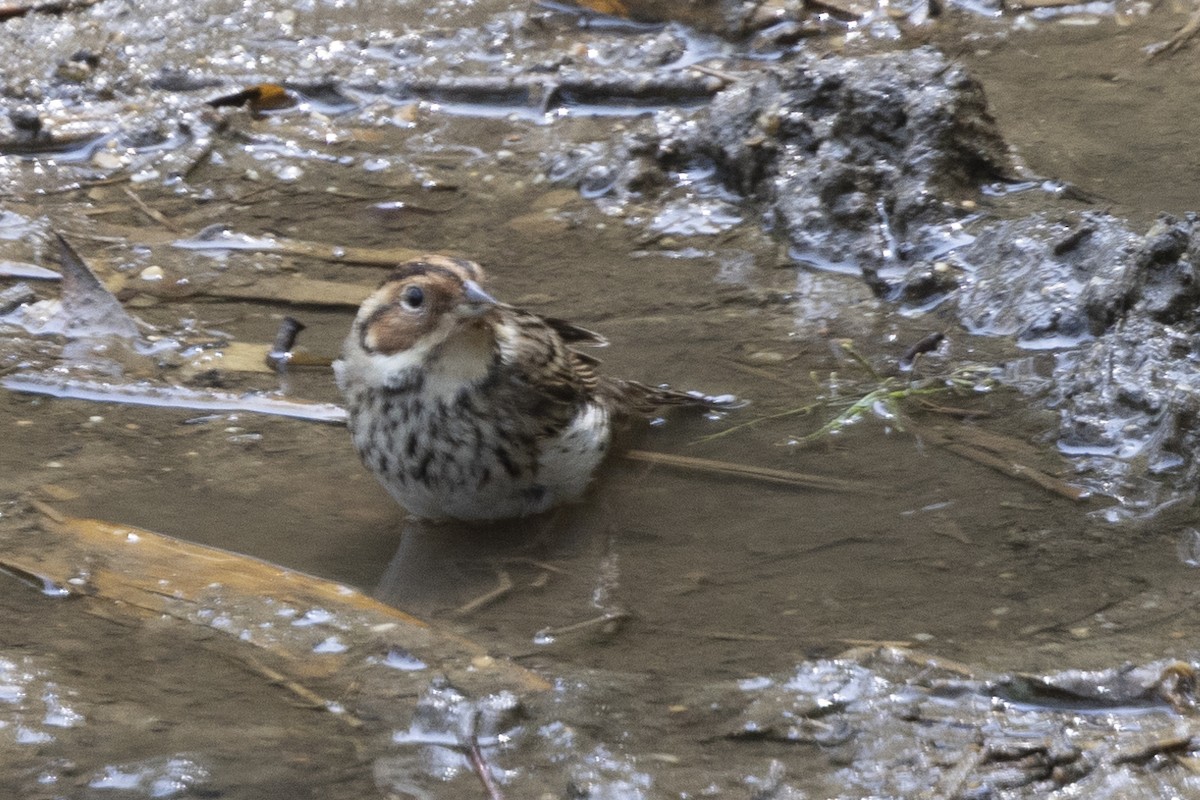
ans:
(672, 607)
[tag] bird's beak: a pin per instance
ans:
(477, 300)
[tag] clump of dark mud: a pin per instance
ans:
(890, 718)
(1032, 278)
(1130, 398)
(856, 161)
(1120, 311)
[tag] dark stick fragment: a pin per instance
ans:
(478, 763)
(281, 350)
(481, 769)
(15, 10)
(16, 296)
(1073, 239)
(878, 286)
(926, 344)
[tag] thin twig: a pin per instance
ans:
(303, 692)
(765, 374)
(1181, 37)
(603, 619)
(725, 77)
(49, 511)
(537, 563)
(791, 412)
(153, 214)
(197, 159)
(480, 765)
(1006, 465)
(876, 643)
(720, 636)
(81, 186)
(796, 479)
(503, 587)
(952, 411)
(847, 349)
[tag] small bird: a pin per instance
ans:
(468, 408)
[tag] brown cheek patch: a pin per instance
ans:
(389, 330)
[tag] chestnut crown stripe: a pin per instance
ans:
(459, 269)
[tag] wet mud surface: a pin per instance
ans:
(758, 226)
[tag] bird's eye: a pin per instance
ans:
(413, 297)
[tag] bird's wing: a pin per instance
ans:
(546, 377)
(573, 334)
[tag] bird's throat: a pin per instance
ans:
(465, 358)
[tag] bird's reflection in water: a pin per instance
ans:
(451, 568)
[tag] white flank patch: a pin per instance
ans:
(590, 424)
(566, 465)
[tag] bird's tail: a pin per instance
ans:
(639, 398)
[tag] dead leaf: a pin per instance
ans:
(261, 97)
(613, 8)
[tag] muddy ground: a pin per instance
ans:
(983, 583)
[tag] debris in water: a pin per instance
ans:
(89, 308)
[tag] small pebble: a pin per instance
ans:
(766, 357)
(105, 159)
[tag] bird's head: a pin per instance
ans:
(422, 304)
(430, 318)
